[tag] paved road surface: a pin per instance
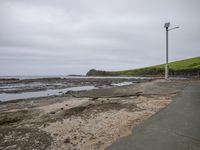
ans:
(177, 127)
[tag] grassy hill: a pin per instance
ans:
(187, 67)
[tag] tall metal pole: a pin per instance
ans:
(166, 65)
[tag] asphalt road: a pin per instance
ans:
(177, 127)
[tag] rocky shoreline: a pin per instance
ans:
(83, 120)
(31, 85)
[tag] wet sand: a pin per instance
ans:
(83, 120)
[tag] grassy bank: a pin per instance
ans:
(187, 67)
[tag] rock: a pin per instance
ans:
(69, 92)
(55, 134)
(44, 126)
(138, 93)
(75, 138)
(93, 99)
(37, 142)
(53, 112)
(67, 140)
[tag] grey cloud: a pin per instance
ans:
(66, 37)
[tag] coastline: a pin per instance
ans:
(83, 120)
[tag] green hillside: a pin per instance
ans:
(187, 67)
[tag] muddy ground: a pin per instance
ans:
(84, 120)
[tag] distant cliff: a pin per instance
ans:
(94, 72)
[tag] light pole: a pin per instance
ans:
(167, 30)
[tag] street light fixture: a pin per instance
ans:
(167, 25)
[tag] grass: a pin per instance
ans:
(183, 67)
(191, 63)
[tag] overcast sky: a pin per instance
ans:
(59, 37)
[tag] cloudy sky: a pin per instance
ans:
(59, 37)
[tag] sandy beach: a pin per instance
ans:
(83, 120)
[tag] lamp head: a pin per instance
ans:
(167, 25)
